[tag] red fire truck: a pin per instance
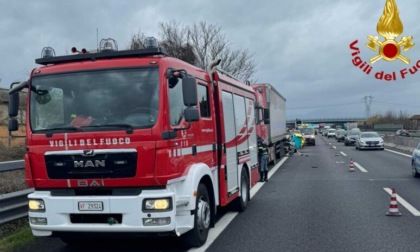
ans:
(134, 142)
(271, 119)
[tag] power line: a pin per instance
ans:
(397, 104)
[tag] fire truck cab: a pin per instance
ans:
(134, 142)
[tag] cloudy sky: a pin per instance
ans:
(302, 47)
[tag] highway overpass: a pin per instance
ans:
(327, 121)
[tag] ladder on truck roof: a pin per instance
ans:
(156, 51)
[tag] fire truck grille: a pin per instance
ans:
(107, 165)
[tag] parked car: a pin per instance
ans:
(331, 133)
(340, 134)
(402, 132)
(415, 161)
(351, 136)
(369, 140)
(309, 135)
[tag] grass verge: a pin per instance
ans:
(19, 239)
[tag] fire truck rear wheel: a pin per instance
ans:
(198, 235)
(242, 200)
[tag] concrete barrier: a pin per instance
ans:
(404, 144)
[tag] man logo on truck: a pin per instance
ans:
(89, 163)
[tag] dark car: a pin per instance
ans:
(351, 137)
(403, 133)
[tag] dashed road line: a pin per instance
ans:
(360, 167)
(407, 205)
(344, 154)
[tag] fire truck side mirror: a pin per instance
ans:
(13, 104)
(189, 91)
(266, 116)
(191, 114)
(13, 124)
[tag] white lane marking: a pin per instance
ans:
(229, 216)
(334, 147)
(344, 154)
(407, 205)
(360, 167)
(216, 231)
(396, 152)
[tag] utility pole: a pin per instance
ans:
(368, 102)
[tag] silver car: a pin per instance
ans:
(331, 133)
(369, 140)
(415, 162)
(340, 134)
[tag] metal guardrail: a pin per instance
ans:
(12, 165)
(14, 206)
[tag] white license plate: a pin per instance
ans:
(90, 206)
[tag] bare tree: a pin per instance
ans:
(137, 41)
(199, 44)
(175, 39)
(391, 116)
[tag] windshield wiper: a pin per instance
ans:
(50, 131)
(128, 128)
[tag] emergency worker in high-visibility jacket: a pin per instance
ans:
(263, 153)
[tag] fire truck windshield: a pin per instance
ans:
(93, 99)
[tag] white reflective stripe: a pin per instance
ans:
(96, 151)
(200, 149)
(187, 151)
(204, 148)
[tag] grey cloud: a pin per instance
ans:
(301, 47)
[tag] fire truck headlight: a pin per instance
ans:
(36, 205)
(156, 221)
(157, 204)
(38, 221)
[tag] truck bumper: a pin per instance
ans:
(62, 214)
(309, 141)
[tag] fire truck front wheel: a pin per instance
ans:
(242, 200)
(198, 235)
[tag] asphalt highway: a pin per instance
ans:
(312, 202)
